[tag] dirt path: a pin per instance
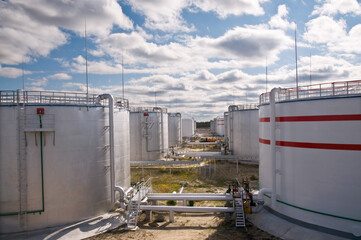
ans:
(187, 226)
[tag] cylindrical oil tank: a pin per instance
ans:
(213, 127)
(219, 125)
(226, 126)
(318, 155)
(188, 127)
(55, 158)
(243, 130)
(174, 129)
(148, 133)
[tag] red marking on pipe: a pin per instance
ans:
(265, 119)
(327, 146)
(318, 118)
(264, 141)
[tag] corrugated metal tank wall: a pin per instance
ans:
(243, 136)
(175, 129)
(187, 127)
(148, 140)
(219, 125)
(318, 163)
(76, 175)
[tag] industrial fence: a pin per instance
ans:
(51, 97)
(250, 106)
(315, 91)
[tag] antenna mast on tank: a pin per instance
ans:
(122, 76)
(23, 77)
(266, 74)
(296, 62)
(86, 67)
(310, 69)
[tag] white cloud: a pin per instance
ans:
(29, 31)
(325, 29)
(163, 15)
(350, 43)
(231, 7)
(333, 7)
(280, 19)
(41, 82)
(11, 72)
(60, 76)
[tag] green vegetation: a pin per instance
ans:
(203, 124)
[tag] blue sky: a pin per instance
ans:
(196, 56)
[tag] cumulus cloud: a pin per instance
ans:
(280, 19)
(163, 15)
(231, 7)
(11, 72)
(325, 29)
(29, 31)
(333, 7)
(60, 76)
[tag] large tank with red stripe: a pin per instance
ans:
(318, 155)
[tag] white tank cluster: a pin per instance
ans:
(174, 129)
(61, 156)
(148, 133)
(242, 127)
(219, 126)
(310, 152)
(188, 127)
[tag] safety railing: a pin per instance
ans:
(243, 107)
(51, 97)
(147, 109)
(315, 91)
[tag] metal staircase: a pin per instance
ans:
(142, 190)
(240, 217)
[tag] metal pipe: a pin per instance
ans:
(111, 142)
(273, 143)
(186, 209)
(161, 124)
(195, 197)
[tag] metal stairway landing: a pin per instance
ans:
(240, 217)
(134, 203)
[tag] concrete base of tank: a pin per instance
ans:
(279, 227)
(79, 230)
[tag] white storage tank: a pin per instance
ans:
(219, 126)
(226, 126)
(213, 127)
(243, 130)
(56, 157)
(316, 176)
(174, 129)
(188, 127)
(148, 133)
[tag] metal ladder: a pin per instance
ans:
(133, 213)
(134, 203)
(240, 217)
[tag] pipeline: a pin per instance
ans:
(111, 142)
(273, 143)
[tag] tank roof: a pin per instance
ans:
(333, 89)
(14, 97)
